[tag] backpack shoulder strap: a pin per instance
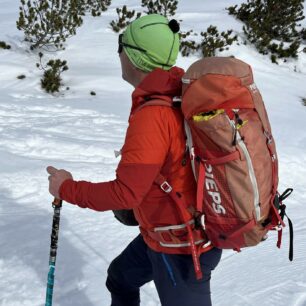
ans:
(175, 102)
(152, 102)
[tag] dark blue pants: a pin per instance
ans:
(173, 275)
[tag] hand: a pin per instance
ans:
(56, 178)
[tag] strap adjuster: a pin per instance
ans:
(165, 186)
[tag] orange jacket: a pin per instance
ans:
(155, 144)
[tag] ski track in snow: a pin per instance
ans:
(77, 132)
(46, 129)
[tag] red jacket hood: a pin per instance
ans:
(158, 84)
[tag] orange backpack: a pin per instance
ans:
(233, 154)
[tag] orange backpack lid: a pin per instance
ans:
(215, 83)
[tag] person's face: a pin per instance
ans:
(129, 72)
(127, 69)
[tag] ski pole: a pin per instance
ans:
(56, 204)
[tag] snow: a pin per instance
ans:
(78, 132)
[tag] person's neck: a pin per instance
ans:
(138, 78)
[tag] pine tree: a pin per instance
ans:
(166, 8)
(52, 81)
(95, 7)
(187, 44)
(272, 25)
(125, 17)
(48, 23)
(211, 43)
(214, 41)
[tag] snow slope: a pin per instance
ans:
(78, 132)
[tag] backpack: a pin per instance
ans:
(233, 157)
(233, 153)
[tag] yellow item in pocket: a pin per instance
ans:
(241, 125)
(207, 116)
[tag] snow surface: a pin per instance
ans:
(78, 132)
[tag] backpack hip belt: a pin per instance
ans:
(176, 236)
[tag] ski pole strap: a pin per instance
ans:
(57, 204)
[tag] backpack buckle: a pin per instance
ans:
(165, 186)
(206, 245)
(278, 228)
(268, 136)
(203, 221)
(199, 220)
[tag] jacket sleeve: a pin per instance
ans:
(143, 154)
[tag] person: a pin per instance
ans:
(155, 146)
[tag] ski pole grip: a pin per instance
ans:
(57, 202)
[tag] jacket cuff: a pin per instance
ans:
(67, 192)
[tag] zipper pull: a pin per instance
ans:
(238, 123)
(185, 156)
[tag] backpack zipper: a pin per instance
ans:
(252, 176)
(189, 145)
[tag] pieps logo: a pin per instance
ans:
(213, 191)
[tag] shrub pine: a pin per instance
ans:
(125, 17)
(166, 8)
(52, 81)
(48, 23)
(272, 26)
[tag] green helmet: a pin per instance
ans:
(156, 41)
